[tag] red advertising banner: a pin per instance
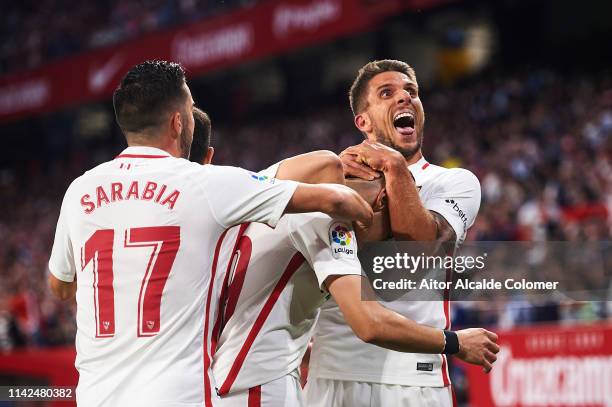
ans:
(266, 29)
(548, 366)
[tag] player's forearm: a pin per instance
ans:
(410, 220)
(375, 324)
(344, 203)
(61, 289)
(391, 330)
(337, 201)
(317, 167)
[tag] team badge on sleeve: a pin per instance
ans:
(342, 240)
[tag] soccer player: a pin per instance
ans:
(312, 167)
(201, 151)
(426, 203)
(136, 239)
(274, 287)
(263, 253)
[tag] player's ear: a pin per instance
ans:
(381, 201)
(363, 123)
(209, 155)
(176, 124)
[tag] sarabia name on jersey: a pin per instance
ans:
(118, 191)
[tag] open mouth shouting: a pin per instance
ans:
(404, 123)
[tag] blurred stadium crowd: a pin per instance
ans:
(34, 32)
(539, 142)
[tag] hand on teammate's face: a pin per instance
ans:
(478, 347)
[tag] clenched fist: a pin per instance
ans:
(478, 347)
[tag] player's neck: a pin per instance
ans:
(415, 158)
(158, 142)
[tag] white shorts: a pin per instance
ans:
(340, 393)
(282, 392)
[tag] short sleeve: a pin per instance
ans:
(457, 198)
(237, 196)
(61, 263)
(329, 246)
(271, 171)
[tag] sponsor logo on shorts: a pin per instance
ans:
(425, 367)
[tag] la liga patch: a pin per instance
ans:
(262, 178)
(342, 241)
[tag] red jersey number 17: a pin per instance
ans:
(165, 242)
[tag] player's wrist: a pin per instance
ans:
(451, 343)
(394, 164)
(397, 171)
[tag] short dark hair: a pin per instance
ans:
(146, 93)
(358, 93)
(201, 136)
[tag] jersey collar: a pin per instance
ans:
(143, 152)
(417, 169)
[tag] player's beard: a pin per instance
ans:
(185, 143)
(408, 153)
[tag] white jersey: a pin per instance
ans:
(338, 354)
(139, 235)
(273, 296)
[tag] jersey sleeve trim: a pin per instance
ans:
(452, 221)
(271, 171)
(283, 202)
(66, 277)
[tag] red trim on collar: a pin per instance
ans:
(140, 156)
(425, 166)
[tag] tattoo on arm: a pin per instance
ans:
(445, 232)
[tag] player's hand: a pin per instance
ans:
(378, 156)
(354, 167)
(478, 347)
(350, 205)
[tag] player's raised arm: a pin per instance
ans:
(338, 201)
(378, 325)
(315, 167)
(321, 167)
(410, 220)
(237, 196)
(411, 217)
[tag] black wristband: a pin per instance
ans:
(452, 343)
